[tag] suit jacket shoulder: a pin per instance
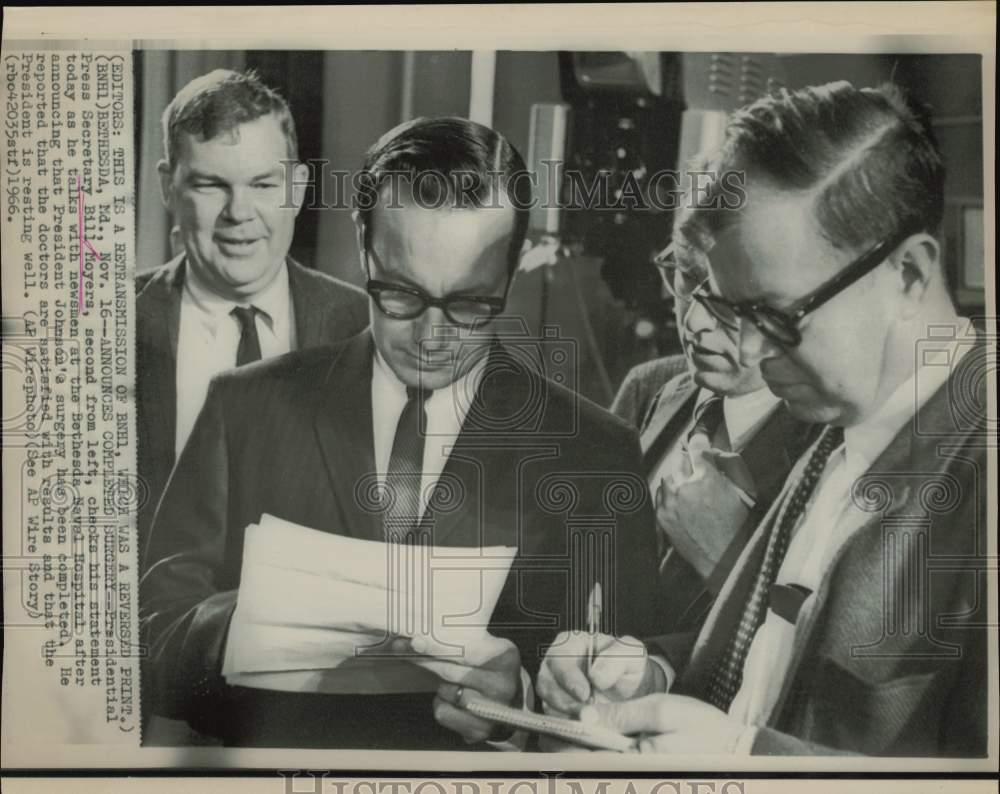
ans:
(642, 385)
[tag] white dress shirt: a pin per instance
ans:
(208, 338)
(446, 410)
(744, 414)
(829, 520)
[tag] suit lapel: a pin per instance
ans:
(310, 319)
(728, 608)
(343, 423)
(905, 462)
(672, 411)
(158, 311)
(472, 462)
(773, 450)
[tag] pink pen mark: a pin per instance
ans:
(83, 243)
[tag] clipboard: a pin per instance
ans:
(559, 727)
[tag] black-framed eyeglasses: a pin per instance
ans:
(782, 326)
(405, 302)
(681, 282)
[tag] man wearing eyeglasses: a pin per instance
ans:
(855, 620)
(471, 445)
(717, 446)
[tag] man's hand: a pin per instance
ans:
(622, 669)
(701, 511)
(491, 669)
(670, 724)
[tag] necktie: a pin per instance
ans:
(709, 419)
(249, 349)
(728, 674)
(406, 463)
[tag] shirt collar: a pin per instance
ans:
(272, 302)
(865, 441)
(742, 412)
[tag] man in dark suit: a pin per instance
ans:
(233, 295)
(855, 619)
(475, 446)
(704, 409)
(705, 523)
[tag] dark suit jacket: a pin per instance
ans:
(326, 310)
(661, 394)
(891, 655)
(538, 466)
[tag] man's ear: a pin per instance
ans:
(919, 263)
(300, 181)
(166, 184)
(359, 236)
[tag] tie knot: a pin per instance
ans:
(833, 437)
(416, 394)
(708, 417)
(245, 316)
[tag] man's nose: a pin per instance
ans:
(697, 318)
(432, 326)
(240, 206)
(754, 346)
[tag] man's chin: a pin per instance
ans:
(714, 381)
(417, 375)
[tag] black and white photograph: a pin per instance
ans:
(571, 405)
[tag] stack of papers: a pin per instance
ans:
(315, 611)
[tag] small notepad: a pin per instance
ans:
(558, 727)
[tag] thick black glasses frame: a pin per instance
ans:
(782, 326)
(375, 288)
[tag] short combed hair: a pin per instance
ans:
(867, 156)
(217, 103)
(450, 161)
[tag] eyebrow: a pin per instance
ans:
(205, 176)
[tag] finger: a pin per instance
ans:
(610, 670)
(450, 694)
(393, 646)
(554, 712)
(554, 696)
(658, 744)
(567, 672)
(648, 714)
(469, 726)
(446, 671)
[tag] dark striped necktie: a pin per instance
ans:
(727, 676)
(249, 347)
(402, 481)
(709, 418)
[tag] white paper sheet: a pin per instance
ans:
(314, 608)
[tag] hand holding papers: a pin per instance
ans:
(315, 608)
(490, 672)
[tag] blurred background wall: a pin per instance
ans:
(606, 295)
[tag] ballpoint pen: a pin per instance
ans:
(593, 626)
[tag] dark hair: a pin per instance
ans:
(217, 103)
(866, 155)
(450, 160)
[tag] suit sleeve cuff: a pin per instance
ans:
(516, 742)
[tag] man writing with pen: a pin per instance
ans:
(832, 276)
(470, 445)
